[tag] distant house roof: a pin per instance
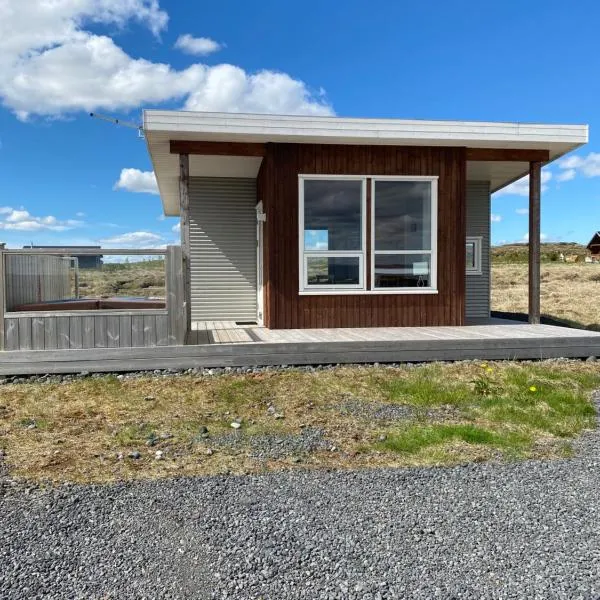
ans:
(33, 247)
(595, 241)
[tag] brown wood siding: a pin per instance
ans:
(278, 189)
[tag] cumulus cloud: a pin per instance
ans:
(176, 228)
(543, 237)
(134, 180)
(200, 46)
(522, 211)
(521, 186)
(566, 175)
(495, 218)
(12, 219)
(134, 239)
(51, 65)
(588, 166)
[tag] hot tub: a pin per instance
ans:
(73, 304)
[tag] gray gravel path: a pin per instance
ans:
(528, 530)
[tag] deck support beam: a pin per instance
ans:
(184, 211)
(535, 190)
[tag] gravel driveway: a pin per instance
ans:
(528, 530)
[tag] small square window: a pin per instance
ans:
(473, 256)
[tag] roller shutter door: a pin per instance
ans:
(223, 248)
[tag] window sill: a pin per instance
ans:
(407, 291)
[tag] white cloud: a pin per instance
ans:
(522, 211)
(495, 218)
(134, 180)
(543, 237)
(12, 219)
(589, 165)
(566, 175)
(176, 228)
(134, 239)
(51, 65)
(521, 186)
(80, 214)
(227, 88)
(201, 46)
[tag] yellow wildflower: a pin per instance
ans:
(489, 370)
(484, 365)
(532, 388)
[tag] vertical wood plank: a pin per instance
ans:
(76, 332)
(162, 330)
(37, 333)
(25, 333)
(2, 296)
(11, 334)
(100, 332)
(63, 333)
(535, 192)
(149, 330)
(87, 334)
(125, 331)
(184, 209)
(137, 330)
(112, 331)
(50, 333)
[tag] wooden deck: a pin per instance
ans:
(222, 344)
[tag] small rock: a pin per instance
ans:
(149, 398)
(120, 456)
(236, 424)
(135, 455)
(278, 416)
(382, 438)
(209, 452)
(158, 455)
(271, 410)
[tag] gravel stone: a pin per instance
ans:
(511, 531)
(273, 445)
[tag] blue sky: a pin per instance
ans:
(62, 173)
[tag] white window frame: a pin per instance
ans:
(304, 287)
(477, 240)
(432, 287)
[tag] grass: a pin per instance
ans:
(84, 430)
(568, 291)
(140, 279)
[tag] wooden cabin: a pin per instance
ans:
(312, 222)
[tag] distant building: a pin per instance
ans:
(594, 247)
(86, 261)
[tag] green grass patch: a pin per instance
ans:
(416, 438)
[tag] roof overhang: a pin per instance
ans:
(161, 127)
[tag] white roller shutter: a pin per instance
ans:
(223, 248)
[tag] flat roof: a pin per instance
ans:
(161, 126)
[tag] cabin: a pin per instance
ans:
(312, 222)
(594, 247)
(309, 240)
(84, 261)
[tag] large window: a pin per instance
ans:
(333, 253)
(332, 226)
(404, 233)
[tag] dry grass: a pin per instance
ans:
(569, 291)
(140, 279)
(456, 413)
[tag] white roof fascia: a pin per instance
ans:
(264, 128)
